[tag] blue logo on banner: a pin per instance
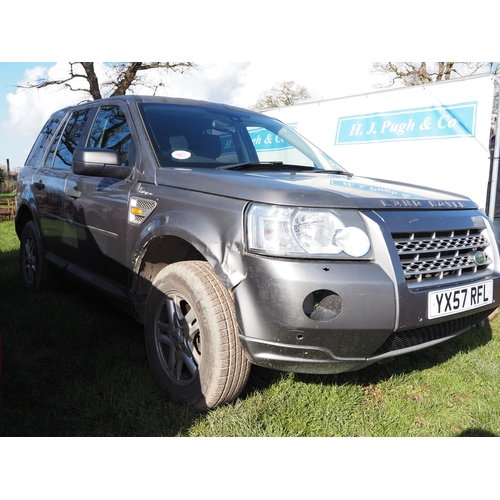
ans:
(434, 122)
(263, 140)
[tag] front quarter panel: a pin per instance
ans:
(211, 224)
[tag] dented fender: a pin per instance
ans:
(215, 232)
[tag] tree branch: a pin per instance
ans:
(126, 76)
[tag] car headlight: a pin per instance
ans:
(306, 232)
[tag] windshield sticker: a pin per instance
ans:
(434, 122)
(181, 154)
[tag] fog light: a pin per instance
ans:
(322, 305)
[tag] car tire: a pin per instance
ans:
(36, 273)
(192, 337)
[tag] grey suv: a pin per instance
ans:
(234, 241)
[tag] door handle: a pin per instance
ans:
(39, 185)
(74, 192)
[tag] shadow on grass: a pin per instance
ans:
(262, 378)
(75, 366)
(476, 433)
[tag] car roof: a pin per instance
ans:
(163, 99)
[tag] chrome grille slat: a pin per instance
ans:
(430, 245)
(427, 257)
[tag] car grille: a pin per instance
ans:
(432, 256)
(419, 336)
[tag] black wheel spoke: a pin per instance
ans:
(171, 360)
(165, 328)
(185, 362)
(170, 307)
(175, 334)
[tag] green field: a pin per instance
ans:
(74, 366)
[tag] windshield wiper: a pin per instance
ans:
(265, 165)
(279, 165)
(338, 172)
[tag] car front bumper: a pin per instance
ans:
(324, 317)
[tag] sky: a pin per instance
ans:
(23, 112)
(320, 49)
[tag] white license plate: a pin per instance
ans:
(464, 298)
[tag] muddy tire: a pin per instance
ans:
(192, 337)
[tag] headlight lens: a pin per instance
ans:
(306, 232)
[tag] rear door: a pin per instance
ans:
(49, 183)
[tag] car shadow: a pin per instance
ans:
(476, 433)
(81, 370)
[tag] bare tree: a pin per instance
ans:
(282, 94)
(119, 79)
(418, 73)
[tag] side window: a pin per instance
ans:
(111, 131)
(63, 147)
(38, 149)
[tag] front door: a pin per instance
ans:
(98, 206)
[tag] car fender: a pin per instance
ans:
(218, 239)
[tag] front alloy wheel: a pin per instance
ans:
(192, 336)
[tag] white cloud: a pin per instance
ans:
(210, 81)
(30, 108)
(323, 81)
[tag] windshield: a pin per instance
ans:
(212, 137)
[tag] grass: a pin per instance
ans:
(74, 366)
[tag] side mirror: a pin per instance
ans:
(99, 163)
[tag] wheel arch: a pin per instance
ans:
(212, 233)
(159, 252)
(23, 216)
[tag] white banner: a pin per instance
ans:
(432, 135)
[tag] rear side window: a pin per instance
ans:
(38, 149)
(110, 130)
(63, 147)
